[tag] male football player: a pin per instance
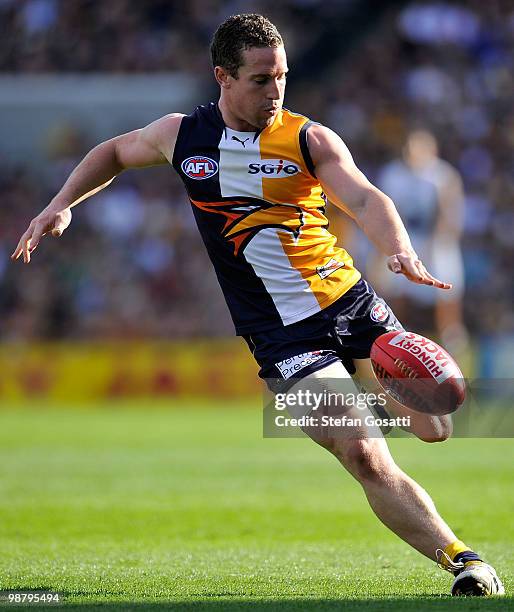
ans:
(257, 175)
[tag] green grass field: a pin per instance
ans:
(189, 508)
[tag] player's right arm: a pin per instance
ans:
(149, 146)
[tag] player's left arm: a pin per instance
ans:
(347, 187)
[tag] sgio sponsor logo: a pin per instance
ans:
(199, 167)
(274, 168)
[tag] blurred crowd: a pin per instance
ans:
(127, 36)
(132, 263)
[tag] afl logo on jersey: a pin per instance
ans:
(199, 167)
(379, 312)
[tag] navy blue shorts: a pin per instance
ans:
(343, 331)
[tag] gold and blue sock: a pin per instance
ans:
(461, 553)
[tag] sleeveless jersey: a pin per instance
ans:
(261, 213)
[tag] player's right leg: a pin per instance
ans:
(397, 500)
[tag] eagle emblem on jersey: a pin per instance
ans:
(245, 219)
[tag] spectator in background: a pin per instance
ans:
(428, 194)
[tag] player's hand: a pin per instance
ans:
(412, 267)
(48, 221)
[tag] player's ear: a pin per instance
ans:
(222, 76)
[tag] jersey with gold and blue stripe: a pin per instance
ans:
(261, 213)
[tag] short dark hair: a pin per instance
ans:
(238, 33)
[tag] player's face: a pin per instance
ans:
(257, 95)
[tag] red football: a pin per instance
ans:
(418, 373)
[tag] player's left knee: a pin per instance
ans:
(441, 429)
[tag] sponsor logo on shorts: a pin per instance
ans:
(331, 266)
(290, 366)
(432, 356)
(379, 312)
(274, 168)
(199, 167)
